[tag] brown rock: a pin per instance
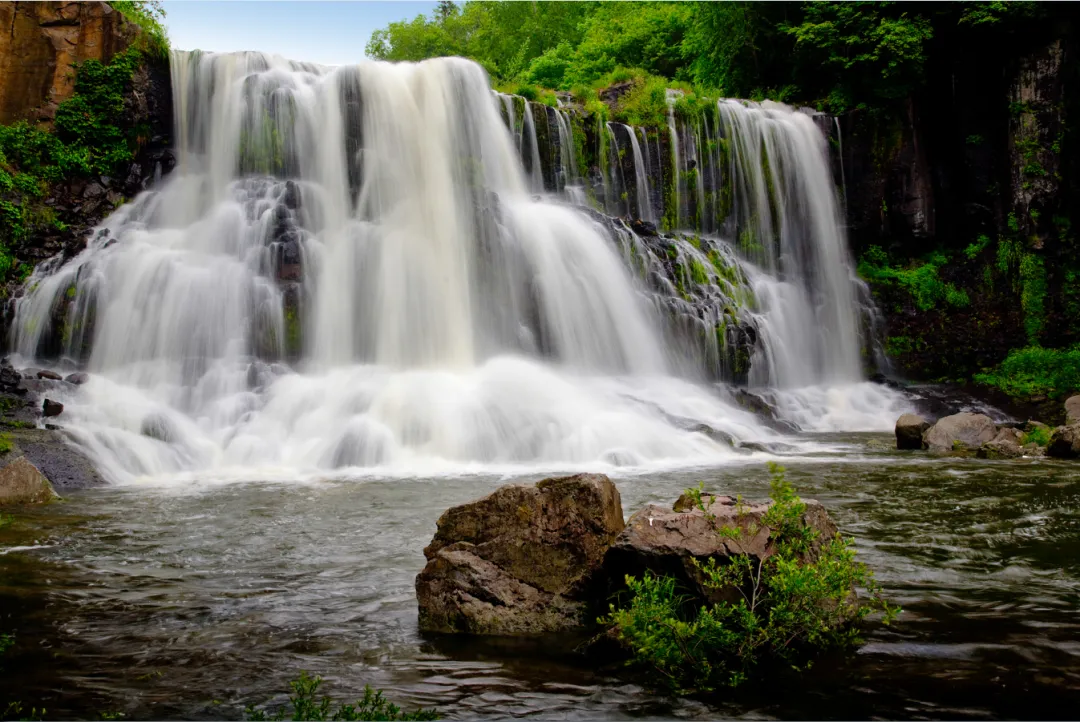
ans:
(22, 483)
(46, 374)
(909, 431)
(40, 45)
(667, 542)
(521, 560)
(1064, 442)
(1072, 410)
(51, 408)
(959, 432)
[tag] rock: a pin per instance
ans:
(521, 560)
(909, 431)
(1064, 442)
(22, 483)
(1006, 445)
(52, 408)
(9, 377)
(61, 462)
(78, 378)
(1033, 449)
(959, 432)
(1072, 410)
(667, 541)
(46, 374)
(158, 426)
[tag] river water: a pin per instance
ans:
(195, 600)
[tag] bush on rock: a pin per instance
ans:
(794, 600)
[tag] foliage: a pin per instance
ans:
(921, 279)
(7, 641)
(788, 607)
(5, 444)
(149, 15)
(1035, 371)
(90, 137)
(306, 705)
(1039, 435)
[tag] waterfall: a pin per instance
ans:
(786, 220)
(677, 173)
(641, 179)
(347, 271)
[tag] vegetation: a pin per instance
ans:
(1039, 435)
(306, 705)
(788, 608)
(921, 279)
(5, 445)
(1035, 371)
(149, 15)
(89, 138)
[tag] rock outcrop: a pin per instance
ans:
(1072, 410)
(960, 432)
(909, 431)
(1064, 442)
(23, 483)
(1006, 445)
(40, 45)
(521, 560)
(668, 541)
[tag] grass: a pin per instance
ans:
(6, 444)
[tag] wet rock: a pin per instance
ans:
(1072, 410)
(1006, 445)
(47, 374)
(667, 541)
(1064, 442)
(9, 377)
(1033, 449)
(909, 431)
(960, 432)
(157, 427)
(23, 483)
(78, 378)
(62, 464)
(51, 408)
(521, 560)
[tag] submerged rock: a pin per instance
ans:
(521, 560)
(1064, 442)
(51, 408)
(47, 374)
(78, 378)
(960, 432)
(668, 541)
(23, 483)
(909, 431)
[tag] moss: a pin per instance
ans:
(6, 445)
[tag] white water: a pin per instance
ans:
(437, 319)
(641, 179)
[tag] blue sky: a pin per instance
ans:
(331, 33)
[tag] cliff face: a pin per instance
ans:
(979, 167)
(40, 42)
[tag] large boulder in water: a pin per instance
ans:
(522, 560)
(1064, 442)
(22, 483)
(1006, 445)
(672, 542)
(909, 431)
(960, 432)
(1072, 410)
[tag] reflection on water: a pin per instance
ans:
(196, 602)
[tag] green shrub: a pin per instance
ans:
(1035, 371)
(307, 706)
(149, 15)
(5, 444)
(921, 280)
(789, 608)
(1040, 435)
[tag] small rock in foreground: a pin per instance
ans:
(22, 483)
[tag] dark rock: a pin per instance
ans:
(78, 378)
(158, 427)
(959, 432)
(1064, 442)
(47, 374)
(667, 541)
(52, 408)
(521, 560)
(62, 463)
(909, 431)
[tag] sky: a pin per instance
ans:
(329, 33)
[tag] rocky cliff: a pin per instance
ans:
(40, 44)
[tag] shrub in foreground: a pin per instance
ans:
(306, 705)
(790, 605)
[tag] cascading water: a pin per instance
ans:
(372, 225)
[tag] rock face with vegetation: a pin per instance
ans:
(522, 560)
(87, 122)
